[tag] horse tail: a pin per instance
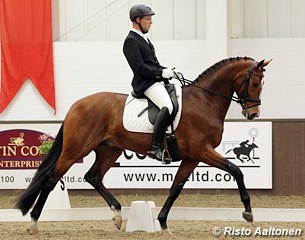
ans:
(229, 151)
(44, 172)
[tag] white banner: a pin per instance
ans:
(246, 144)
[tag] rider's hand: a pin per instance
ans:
(178, 75)
(167, 73)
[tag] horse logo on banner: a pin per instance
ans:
(243, 150)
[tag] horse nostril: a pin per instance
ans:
(254, 115)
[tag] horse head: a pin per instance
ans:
(248, 88)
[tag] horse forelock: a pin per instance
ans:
(219, 64)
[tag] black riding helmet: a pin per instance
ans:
(140, 10)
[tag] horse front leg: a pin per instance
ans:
(215, 159)
(184, 171)
(244, 196)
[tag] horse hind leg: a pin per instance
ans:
(36, 212)
(105, 159)
(181, 177)
(38, 207)
(62, 166)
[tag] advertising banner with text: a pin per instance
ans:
(246, 144)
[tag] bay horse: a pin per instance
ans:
(94, 123)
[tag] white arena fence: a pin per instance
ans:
(58, 208)
(176, 213)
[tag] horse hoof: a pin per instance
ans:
(248, 216)
(166, 232)
(32, 231)
(117, 221)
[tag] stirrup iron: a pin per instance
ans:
(169, 159)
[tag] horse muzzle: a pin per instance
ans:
(251, 113)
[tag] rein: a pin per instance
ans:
(183, 81)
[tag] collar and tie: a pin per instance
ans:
(147, 40)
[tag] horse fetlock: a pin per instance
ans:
(116, 210)
(33, 228)
(166, 232)
(162, 223)
(34, 216)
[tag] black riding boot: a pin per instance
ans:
(158, 135)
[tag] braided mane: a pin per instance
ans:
(220, 63)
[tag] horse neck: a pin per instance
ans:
(220, 81)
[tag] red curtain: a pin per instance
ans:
(26, 48)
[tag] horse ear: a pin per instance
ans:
(260, 64)
(263, 63)
(266, 62)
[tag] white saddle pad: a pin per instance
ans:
(133, 106)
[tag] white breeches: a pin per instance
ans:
(159, 96)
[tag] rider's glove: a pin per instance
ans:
(178, 75)
(167, 73)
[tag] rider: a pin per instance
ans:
(244, 144)
(149, 75)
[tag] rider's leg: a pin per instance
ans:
(158, 135)
(159, 96)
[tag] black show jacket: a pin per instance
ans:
(142, 59)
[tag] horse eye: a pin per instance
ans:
(255, 84)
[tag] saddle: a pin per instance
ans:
(153, 111)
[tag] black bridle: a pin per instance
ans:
(241, 100)
(245, 97)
